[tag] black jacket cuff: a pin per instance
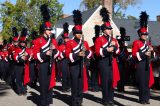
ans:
(44, 56)
(20, 60)
(105, 52)
(76, 57)
(142, 55)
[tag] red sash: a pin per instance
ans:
(116, 76)
(151, 77)
(85, 80)
(26, 73)
(52, 78)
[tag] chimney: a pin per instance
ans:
(158, 18)
(109, 5)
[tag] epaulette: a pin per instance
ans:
(102, 40)
(40, 40)
(71, 42)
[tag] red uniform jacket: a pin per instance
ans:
(72, 49)
(100, 48)
(1, 55)
(19, 52)
(4, 55)
(11, 51)
(42, 45)
(62, 51)
(138, 53)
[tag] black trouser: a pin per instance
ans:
(106, 80)
(3, 72)
(58, 71)
(7, 72)
(94, 74)
(142, 76)
(0, 69)
(12, 70)
(76, 84)
(65, 74)
(32, 72)
(44, 81)
(122, 70)
(19, 74)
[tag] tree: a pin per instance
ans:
(88, 4)
(118, 6)
(26, 13)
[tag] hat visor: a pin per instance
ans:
(22, 41)
(65, 37)
(15, 40)
(49, 29)
(77, 32)
(109, 27)
(145, 33)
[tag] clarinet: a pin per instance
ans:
(148, 58)
(110, 54)
(82, 61)
(50, 60)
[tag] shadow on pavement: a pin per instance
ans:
(126, 97)
(92, 98)
(63, 97)
(98, 100)
(35, 98)
(3, 88)
(155, 98)
(131, 93)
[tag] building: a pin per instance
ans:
(92, 17)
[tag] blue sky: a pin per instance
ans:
(151, 6)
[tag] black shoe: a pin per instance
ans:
(79, 104)
(68, 89)
(121, 90)
(24, 92)
(20, 94)
(33, 85)
(143, 102)
(64, 90)
(111, 103)
(106, 104)
(147, 102)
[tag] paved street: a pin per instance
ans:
(9, 98)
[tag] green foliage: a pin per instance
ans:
(88, 4)
(26, 13)
(118, 6)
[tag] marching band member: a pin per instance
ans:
(46, 51)
(141, 52)
(63, 60)
(75, 52)
(107, 49)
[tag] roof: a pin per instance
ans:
(85, 16)
(132, 26)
